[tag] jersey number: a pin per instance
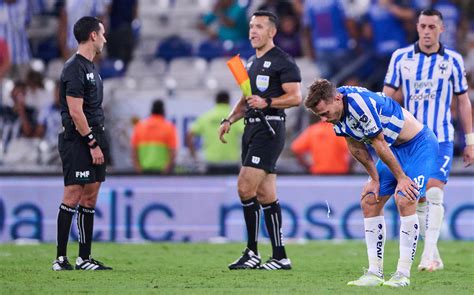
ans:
(446, 162)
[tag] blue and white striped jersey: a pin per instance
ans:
(14, 18)
(428, 83)
(367, 113)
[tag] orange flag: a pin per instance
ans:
(240, 74)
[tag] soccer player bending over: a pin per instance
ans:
(407, 152)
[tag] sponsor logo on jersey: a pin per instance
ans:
(262, 82)
(267, 64)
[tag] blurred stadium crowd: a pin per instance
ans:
(175, 50)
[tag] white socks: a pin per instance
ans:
(375, 234)
(422, 212)
(435, 216)
(409, 230)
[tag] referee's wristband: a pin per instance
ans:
(88, 138)
(225, 120)
(469, 138)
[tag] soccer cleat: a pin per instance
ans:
(274, 264)
(90, 264)
(397, 280)
(248, 260)
(61, 263)
(368, 279)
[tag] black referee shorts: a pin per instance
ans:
(77, 160)
(259, 149)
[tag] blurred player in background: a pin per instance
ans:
(406, 151)
(275, 82)
(428, 74)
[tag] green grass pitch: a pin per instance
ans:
(162, 268)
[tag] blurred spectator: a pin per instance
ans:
(231, 21)
(329, 153)
(220, 158)
(120, 40)
(48, 128)
(49, 119)
(14, 18)
(36, 94)
(454, 23)
(288, 37)
(19, 120)
(385, 24)
(329, 36)
(4, 65)
(278, 7)
(71, 11)
(154, 142)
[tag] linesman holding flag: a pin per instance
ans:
(274, 82)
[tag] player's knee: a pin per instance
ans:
(435, 196)
(368, 204)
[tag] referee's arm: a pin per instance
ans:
(291, 98)
(77, 114)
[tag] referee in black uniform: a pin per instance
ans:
(82, 144)
(275, 81)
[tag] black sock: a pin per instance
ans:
(65, 215)
(85, 224)
(252, 220)
(273, 222)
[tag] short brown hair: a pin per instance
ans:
(321, 89)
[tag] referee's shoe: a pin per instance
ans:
(90, 264)
(275, 264)
(61, 263)
(248, 260)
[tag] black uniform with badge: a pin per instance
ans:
(80, 78)
(267, 74)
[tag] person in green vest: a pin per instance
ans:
(220, 158)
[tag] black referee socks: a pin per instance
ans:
(85, 225)
(273, 220)
(65, 215)
(252, 220)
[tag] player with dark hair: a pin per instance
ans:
(427, 77)
(275, 82)
(82, 145)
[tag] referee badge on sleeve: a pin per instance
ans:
(262, 82)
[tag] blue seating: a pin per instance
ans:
(111, 68)
(210, 49)
(173, 47)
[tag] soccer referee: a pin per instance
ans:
(82, 144)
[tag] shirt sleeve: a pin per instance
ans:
(459, 75)
(290, 73)
(393, 76)
(74, 81)
(364, 111)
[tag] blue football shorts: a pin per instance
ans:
(417, 158)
